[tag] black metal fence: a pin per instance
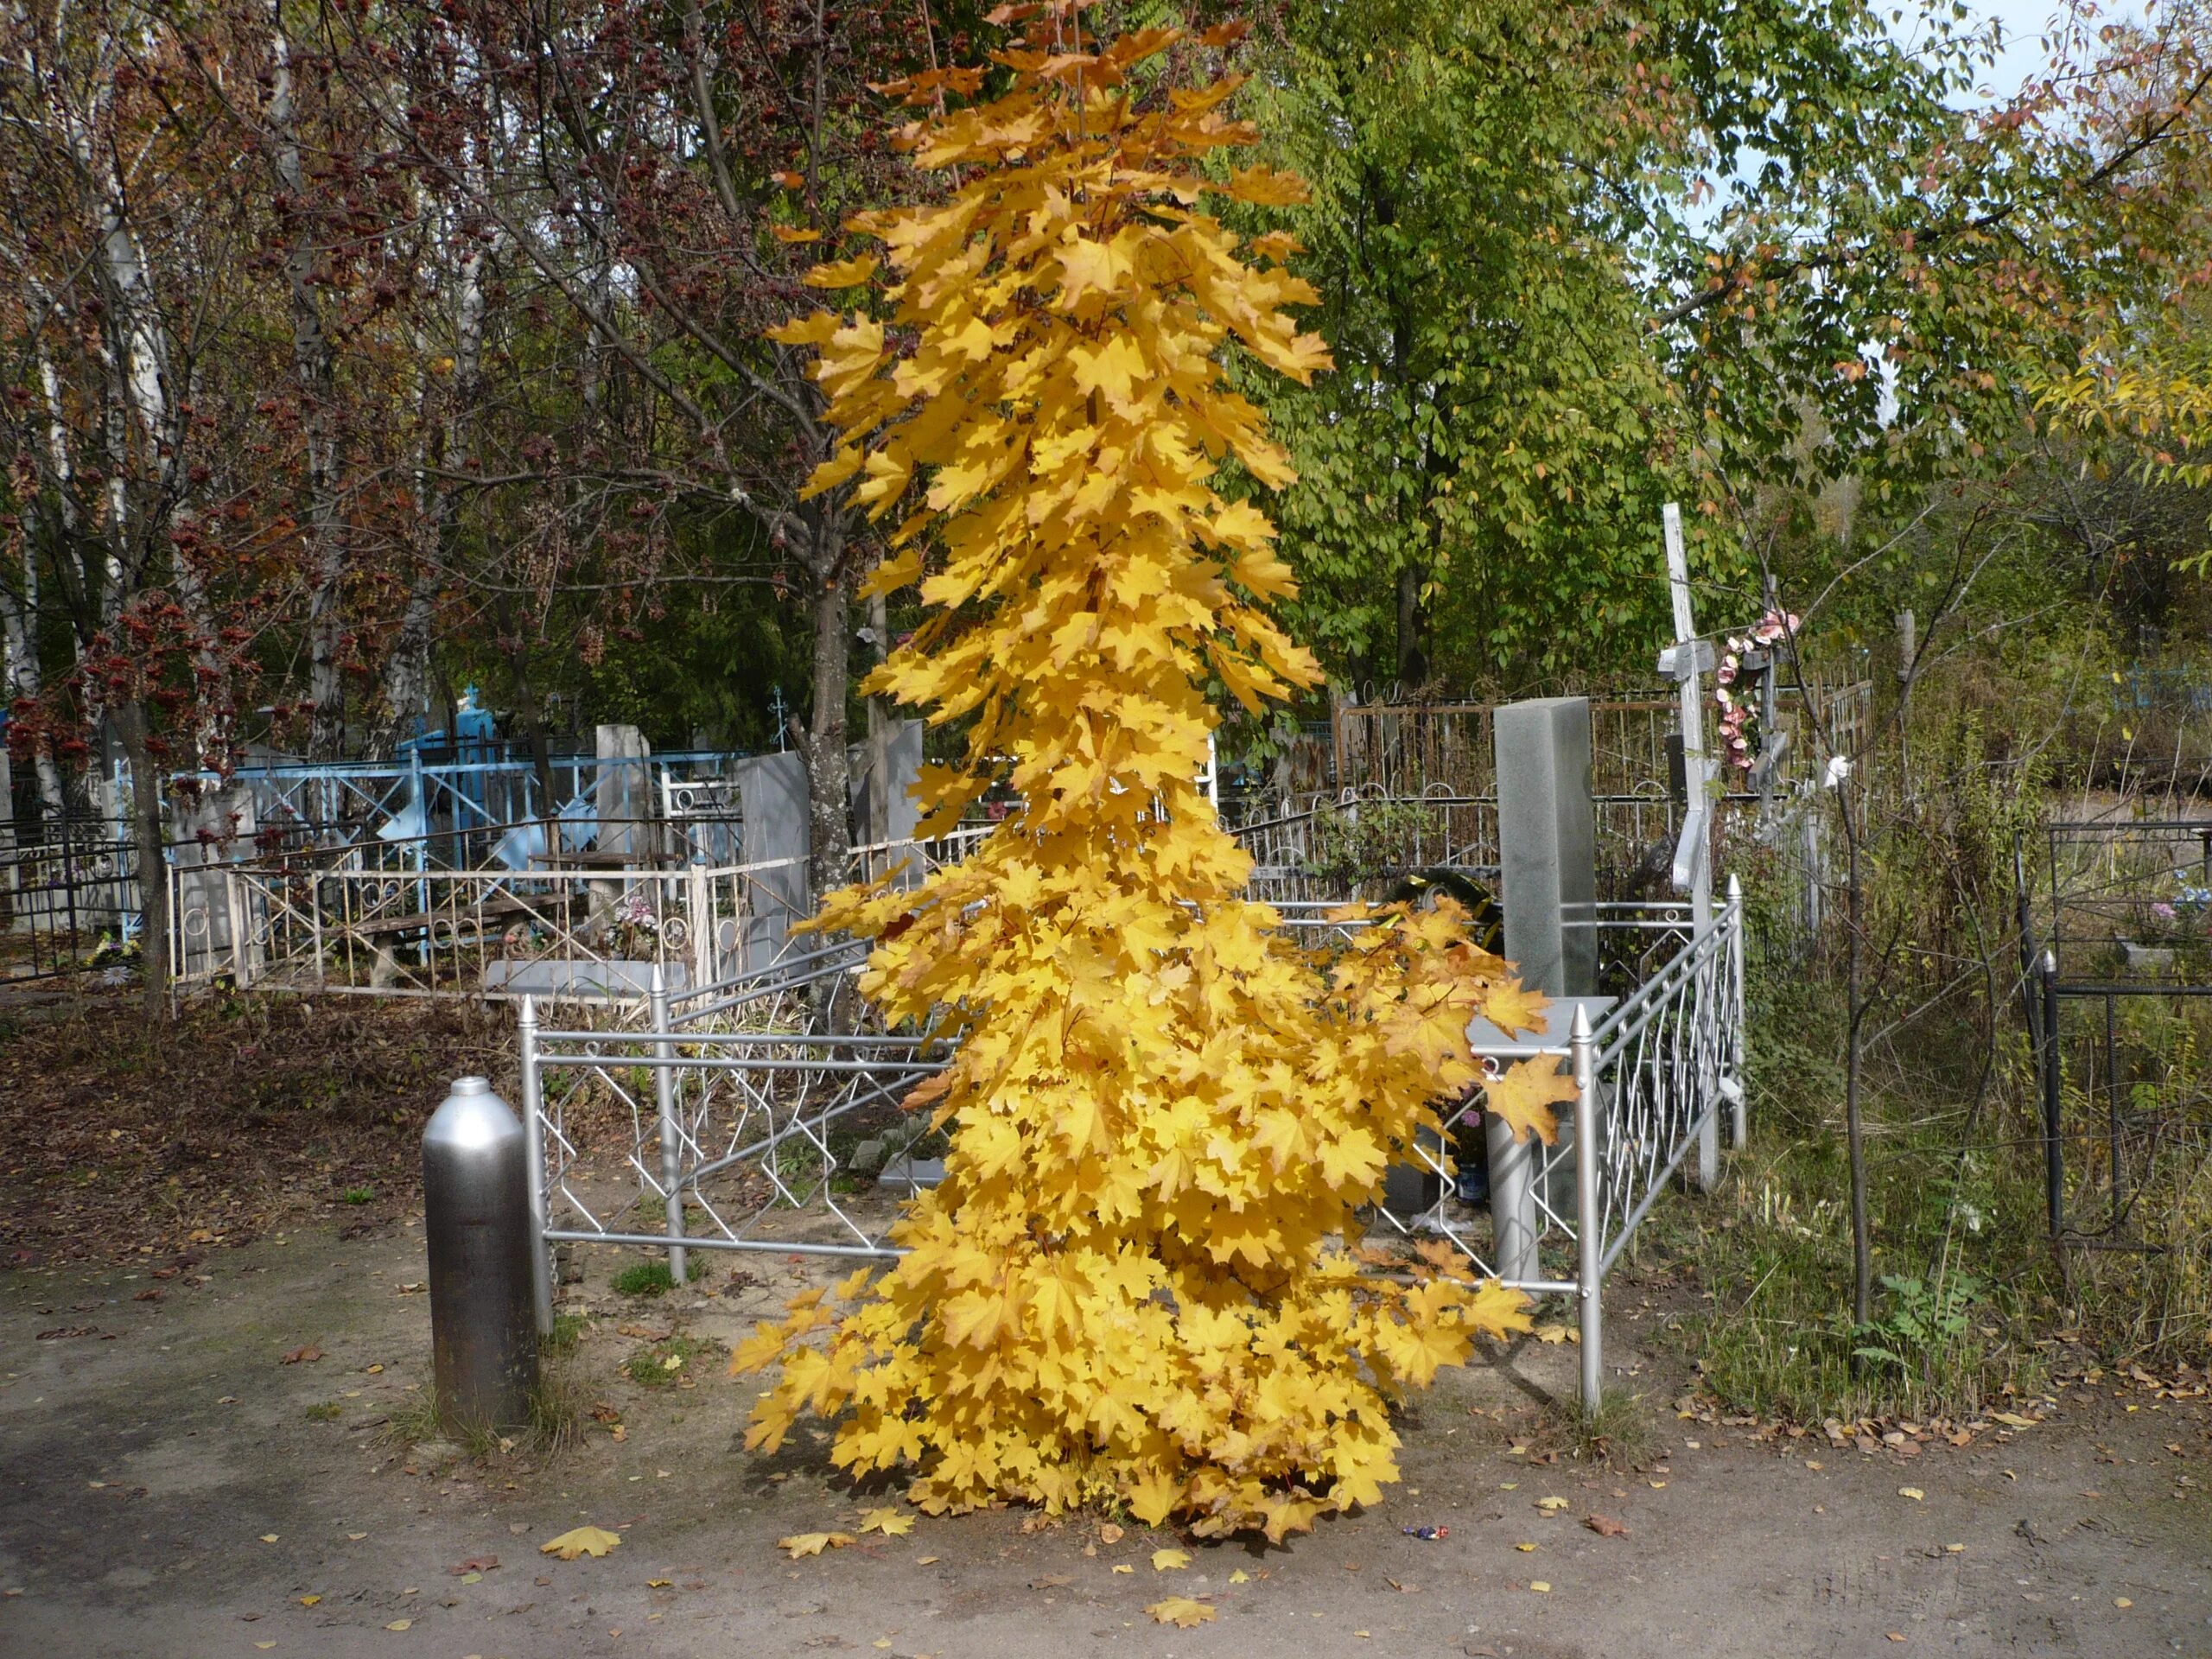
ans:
(2117, 992)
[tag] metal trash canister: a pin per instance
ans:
(476, 1212)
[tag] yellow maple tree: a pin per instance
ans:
(1139, 1279)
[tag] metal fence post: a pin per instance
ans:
(1740, 1126)
(533, 1113)
(671, 1150)
(2054, 1157)
(1589, 1224)
(235, 909)
(700, 904)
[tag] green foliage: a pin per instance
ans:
(358, 1195)
(654, 1278)
(1354, 848)
(566, 1334)
(323, 1411)
(661, 1364)
(1498, 436)
(1922, 1321)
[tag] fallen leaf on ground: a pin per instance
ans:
(1912, 1492)
(580, 1541)
(1123, 1566)
(1540, 1587)
(1240, 1576)
(893, 1523)
(1181, 1611)
(310, 1601)
(1110, 1533)
(659, 1584)
(2012, 1420)
(2121, 1602)
(813, 1543)
(1557, 1333)
(1551, 1505)
(302, 1356)
(1525, 1548)
(928, 1560)
(1604, 1526)
(1166, 1561)
(401, 1624)
(474, 1564)
(267, 1537)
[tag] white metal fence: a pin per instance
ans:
(566, 929)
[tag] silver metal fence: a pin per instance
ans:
(730, 1122)
(727, 1122)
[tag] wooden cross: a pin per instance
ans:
(1685, 662)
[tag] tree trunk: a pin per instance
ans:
(880, 716)
(25, 678)
(823, 744)
(1412, 652)
(146, 835)
(313, 374)
(532, 716)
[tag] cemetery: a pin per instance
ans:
(977, 832)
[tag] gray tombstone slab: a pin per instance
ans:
(905, 769)
(772, 789)
(1548, 887)
(215, 829)
(623, 795)
(1547, 844)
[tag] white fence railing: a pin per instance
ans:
(739, 1118)
(565, 929)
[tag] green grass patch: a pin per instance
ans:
(566, 1336)
(1962, 1275)
(653, 1278)
(323, 1411)
(662, 1364)
(358, 1195)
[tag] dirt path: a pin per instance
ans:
(165, 1490)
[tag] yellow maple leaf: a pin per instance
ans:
(579, 1541)
(1511, 1009)
(1181, 1611)
(812, 1543)
(840, 273)
(1524, 1097)
(894, 1523)
(1169, 1561)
